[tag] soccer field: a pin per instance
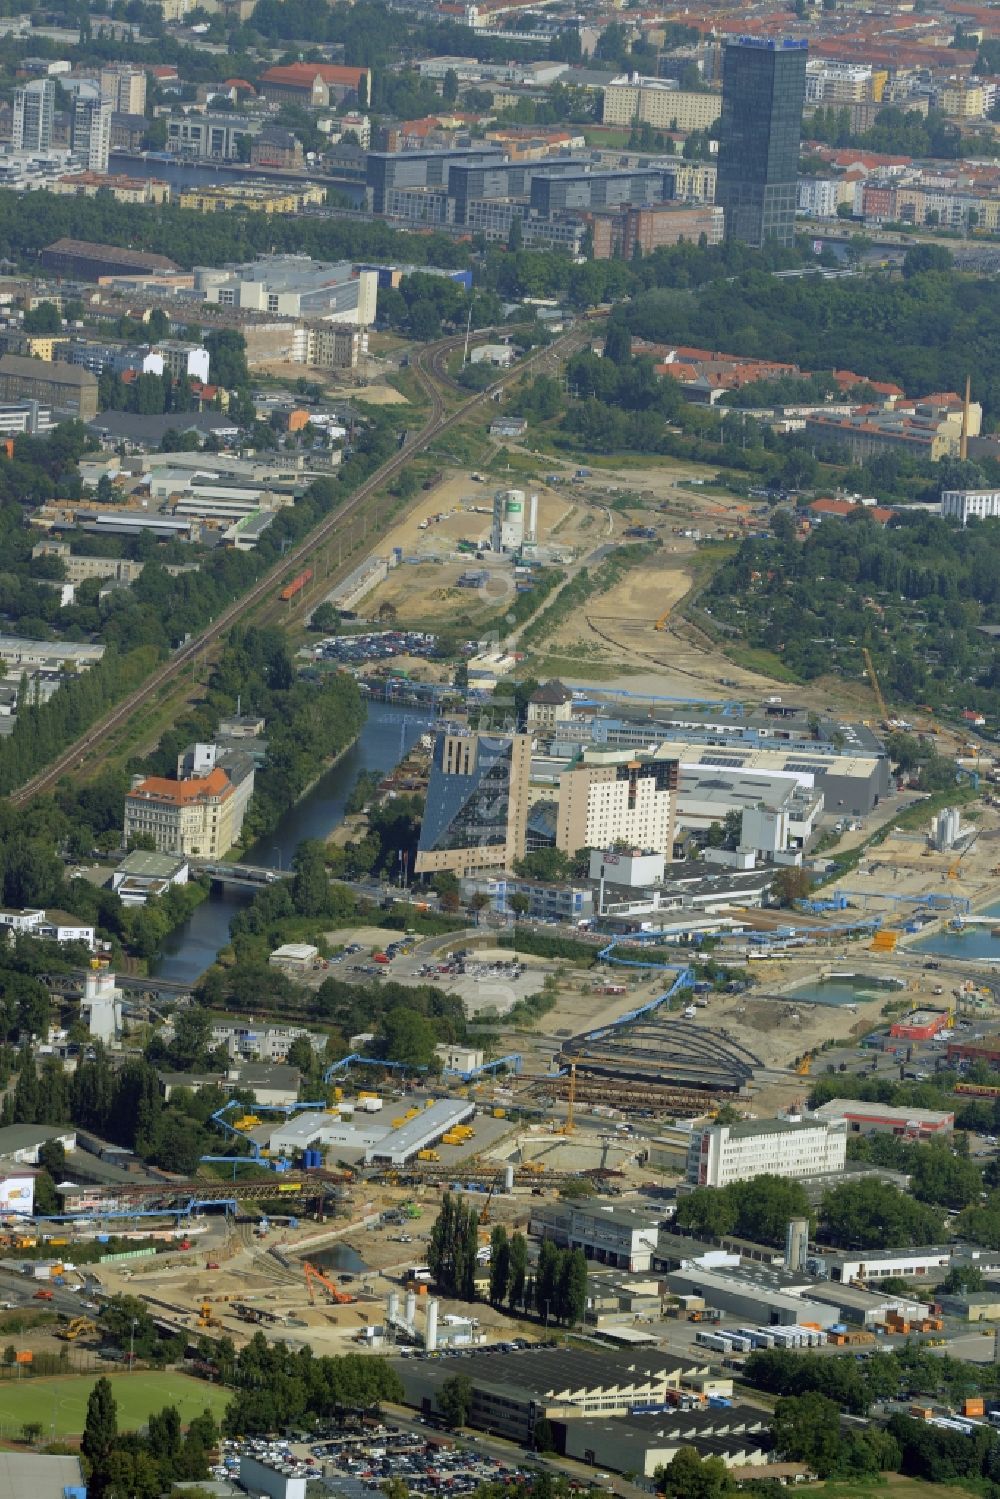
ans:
(60, 1404)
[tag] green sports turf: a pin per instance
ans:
(60, 1404)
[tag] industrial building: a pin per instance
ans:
(293, 286)
(41, 1475)
(724, 1153)
(512, 1392)
(386, 170)
(357, 1137)
(607, 1232)
(888, 1119)
(759, 1294)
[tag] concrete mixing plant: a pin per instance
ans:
(508, 520)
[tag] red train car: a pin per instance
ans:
(296, 585)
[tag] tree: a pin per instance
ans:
(543, 1435)
(806, 1429)
(518, 1270)
(962, 1279)
(789, 885)
(325, 618)
(499, 1265)
(547, 1280)
(449, 86)
(618, 344)
(515, 235)
(99, 1436)
(519, 904)
(870, 1215)
(689, 1476)
(455, 1400)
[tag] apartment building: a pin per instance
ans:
(476, 812)
(79, 569)
(196, 817)
(58, 385)
(723, 1153)
(608, 796)
(90, 138)
(34, 116)
(632, 99)
(928, 427)
(211, 137)
(124, 86)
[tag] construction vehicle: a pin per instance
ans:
(206, 1317)
(805, 1065)
(333, 1291)
(484, 1216)
(876, 689)
(79, 1327)
(953, 870)
(661, 623)
(428, 1155)
(246, 1122)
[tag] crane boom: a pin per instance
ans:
(873, 679)
(334, 1292)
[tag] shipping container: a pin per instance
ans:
(296, 585)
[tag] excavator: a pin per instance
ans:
(79, 1327)
(334, 1293)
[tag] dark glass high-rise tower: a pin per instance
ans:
(763, 87)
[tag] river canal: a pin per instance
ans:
(387, 735)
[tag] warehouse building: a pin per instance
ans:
(83, 260)
(641, 1443)
(928, 1263)
(512, 1392)
(887, 1119)
(358, 1137)
(759, 1295)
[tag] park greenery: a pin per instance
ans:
(914, 594)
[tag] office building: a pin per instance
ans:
(124, 87)
(611, 1233)
(79, 568)
(611, 796)
(34, 113)
(90, 139)
(386, 170)
(763, 87)
(316, 85)
(961, 504)
(624, 232)
(476, 812)
(211, 137)
(723, 1153)
(632, 99)
(201, 816)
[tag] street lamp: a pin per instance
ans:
(277, 850)
(131, 1345)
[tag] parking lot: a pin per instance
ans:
(382, 645)
(426, 1464)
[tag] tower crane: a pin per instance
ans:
(873, 679)
(569, 1127)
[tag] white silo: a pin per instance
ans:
(431, 1336)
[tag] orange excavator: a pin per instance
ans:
(334, 1293)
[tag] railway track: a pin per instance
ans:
(426, 364)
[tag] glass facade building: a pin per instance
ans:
(476, 811)
(763, 89)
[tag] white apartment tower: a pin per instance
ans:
(91, 134)
(34, 112)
